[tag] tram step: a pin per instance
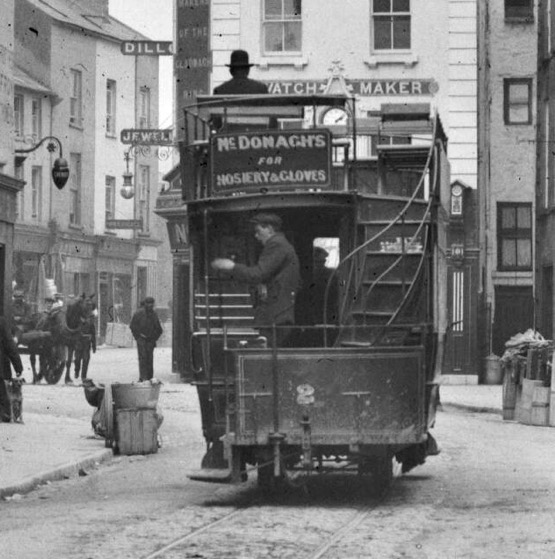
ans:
(210, 475)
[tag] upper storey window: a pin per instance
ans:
(519, 10)
(110, 108)
(517, 105)
(282, 26)
(391, 25)
(76, 98)
(144, 107)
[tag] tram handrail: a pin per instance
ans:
(355, 252)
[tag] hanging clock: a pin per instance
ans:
(456, 190)
(336, 116)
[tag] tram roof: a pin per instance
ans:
(267, 100)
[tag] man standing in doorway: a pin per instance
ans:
(146, 329)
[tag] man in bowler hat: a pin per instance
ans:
(239, 68)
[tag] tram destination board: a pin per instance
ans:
(271, 159)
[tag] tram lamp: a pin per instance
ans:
(128, 189)
(60, 168)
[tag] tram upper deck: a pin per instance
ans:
(262, 144)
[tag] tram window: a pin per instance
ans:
(329, 245)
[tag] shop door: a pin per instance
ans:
(514, 313)
(103, 309)
(546, 309)
(460, 351)
(3, 278)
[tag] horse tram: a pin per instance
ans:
(355, 385)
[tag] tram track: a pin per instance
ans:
(218, 528)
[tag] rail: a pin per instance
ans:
(354, 285)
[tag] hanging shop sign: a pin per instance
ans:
(148, 48)
(124, 224)
(266, 160)
(146, 137)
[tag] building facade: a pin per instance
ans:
(10, 186)
(74, 84)
(382, 52)
(507, 169)
(545, 184)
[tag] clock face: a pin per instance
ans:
(335, 117)
(456, 190)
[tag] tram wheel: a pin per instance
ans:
(377, 473)
(268, 482)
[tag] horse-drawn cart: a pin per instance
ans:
(51, 353)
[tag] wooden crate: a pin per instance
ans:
(137, 431)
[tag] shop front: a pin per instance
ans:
(114, 282)
(9, 188)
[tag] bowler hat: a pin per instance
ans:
(239, 59)
(268, 219)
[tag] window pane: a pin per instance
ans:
(519, 93)
(272, 9)
(509, 253)
(401, 33)
(293, 36)
(518, 8)
(382, 6)
(518, 114)
(401, 5)
(508, 218)
(382, 33)
(524, 251)
(273, 41)
(292, 9)
(524, 218)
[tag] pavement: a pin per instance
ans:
(49, 447)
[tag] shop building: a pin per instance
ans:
(545, 183)
(73, 83)
(10, 186)
(507, 84)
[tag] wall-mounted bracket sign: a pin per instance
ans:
(148, 48)
(146, 137)
(267, 160)
(124, 224)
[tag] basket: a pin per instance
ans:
(141, 395)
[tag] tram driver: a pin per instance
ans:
(276, 276)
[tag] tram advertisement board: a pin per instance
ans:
(271, 159)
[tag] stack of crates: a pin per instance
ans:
(528, 388)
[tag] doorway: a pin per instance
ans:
(514, 313)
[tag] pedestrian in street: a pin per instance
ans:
(146, 329)
(8, 356)
(240, 83)
(276, 276)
